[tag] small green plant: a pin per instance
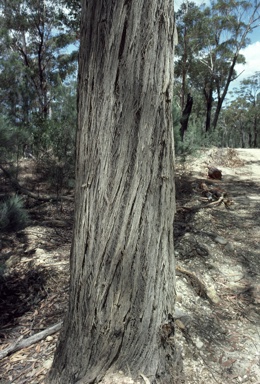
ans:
(13, 215)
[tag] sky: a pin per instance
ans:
(251, 52)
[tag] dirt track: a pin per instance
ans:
(220, 322)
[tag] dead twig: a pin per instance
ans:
(20, 344)
(214, 203)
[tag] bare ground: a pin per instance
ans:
(218, 306)
(218, 274)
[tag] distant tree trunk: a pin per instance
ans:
(186, 115)
(242, 136)
(250, 139)
(122, 288)
(221, 97)
(255, 131)
(184, 69)
(208, 93)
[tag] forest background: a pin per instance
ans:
(215, 101)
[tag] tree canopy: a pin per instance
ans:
(39, 44)
(210, 42)
(38, 63)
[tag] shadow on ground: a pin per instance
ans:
(20, 292)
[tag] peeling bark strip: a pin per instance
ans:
(122, 259)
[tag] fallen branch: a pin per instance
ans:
(54, 223)
(222, 199)
(17, 187)
(20, 344)
(196, 283)
(217, 202)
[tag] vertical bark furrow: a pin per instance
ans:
(122, 42)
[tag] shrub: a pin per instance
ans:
(13, 216)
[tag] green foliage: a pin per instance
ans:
(6, 134)
(58, 174)
(13, 216)
(72, 15)
(210, 41)
(241, 117)
(194, 138)
(54, 139)
(64, 120)
(38, 58)
(12, 140)
(33, 60)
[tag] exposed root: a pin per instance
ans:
(196, 283)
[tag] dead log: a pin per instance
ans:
(20, 344)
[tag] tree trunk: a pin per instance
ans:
(122, 288)
(208, 93)
(250, 138)
(185, 116)
(255, 129)
(222, 97)
(184, 69)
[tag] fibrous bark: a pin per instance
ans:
(122, 262)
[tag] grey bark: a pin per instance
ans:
(122, 261)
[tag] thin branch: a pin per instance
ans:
(238, 75)
(20, 344)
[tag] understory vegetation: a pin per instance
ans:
(13, 216)
(38, 71)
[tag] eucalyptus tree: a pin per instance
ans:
(212, 38)
(34, 59)
(190, 42)
(250, 91)
(242, 114)
(234, 125)
(122, 286)
(232, 22)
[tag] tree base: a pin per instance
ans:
(170, 371)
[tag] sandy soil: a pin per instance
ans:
(219, 302)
